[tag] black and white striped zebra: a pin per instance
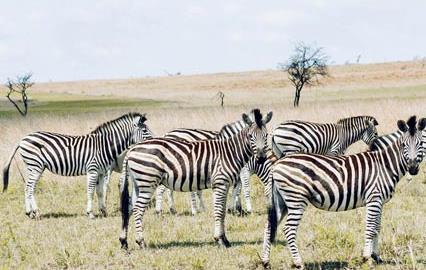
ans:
(67, 155)
(385, 140)
(326, 139)
(189, 166)
(341, 183)
(192, 135)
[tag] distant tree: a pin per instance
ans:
(305, 67)
(358, 58)
(220, 96)
(20, 87)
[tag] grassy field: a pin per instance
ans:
(65, 239)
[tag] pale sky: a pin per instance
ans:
(84, 39)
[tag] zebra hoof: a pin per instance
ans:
(298, 266)
(266, 265)
(376, 258)
(222, 241)
(141, 243)
(34, 214)
(124, 244)
(103, 212)
(90, 215)
(173, 211)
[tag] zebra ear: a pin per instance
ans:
(375, 122)
(142, 119)
(267, 118)
(422, 124)
(402, 126)
(247, 119)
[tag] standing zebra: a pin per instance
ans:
(189, 166)
(67, 155)
(385, 140)
(326, 139)
(341, 183)
(192, 135)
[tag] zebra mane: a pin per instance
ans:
(411, 123)
(126, 116)
(257, 117)
(361, 118)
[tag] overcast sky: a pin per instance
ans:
(82, 39)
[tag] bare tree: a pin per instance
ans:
(220, 96)
(305, 67)
(20, 87)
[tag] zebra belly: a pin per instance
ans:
(186, 185)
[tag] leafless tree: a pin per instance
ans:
(305, 67)
(20, 87)
(220, 96)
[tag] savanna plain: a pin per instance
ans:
(65, 239)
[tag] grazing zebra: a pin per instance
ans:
(326, 139)
(189, 166)
(341, 183)
(90, 154)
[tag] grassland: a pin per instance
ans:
(64, 238)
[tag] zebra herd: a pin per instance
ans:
(304, 165)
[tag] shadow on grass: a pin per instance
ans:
(174, 244)
(328, 265)
(58, 215)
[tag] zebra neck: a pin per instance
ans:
(348, 134)
(394, 162)
(115, 140)
(238, 147)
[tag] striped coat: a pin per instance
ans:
(341, 183)
(91, 154)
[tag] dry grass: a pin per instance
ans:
(64, 238)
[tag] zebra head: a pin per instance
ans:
(411, 142)
(140, 131)
(258, 134)
(370, 132)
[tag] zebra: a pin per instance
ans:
(385, 140)
(191, 135)
(189, 166)
(326, 139)
(68, 155)
(339, 184)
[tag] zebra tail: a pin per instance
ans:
(6, 170)
(272, 213)
(124, 195)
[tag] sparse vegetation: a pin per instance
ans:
(65, 238)
(305, 67)
(19, 87)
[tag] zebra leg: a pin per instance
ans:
(100, 191)
(236, 207)
(193, 203)
(159, 199)
(92, 177)
(201, 206)
(220, 188)
(295, 213)
(31, 209)
(143, 195)
(106, 187)
(171, 201)
(276, 212)
(372, 230)
(245, 182)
